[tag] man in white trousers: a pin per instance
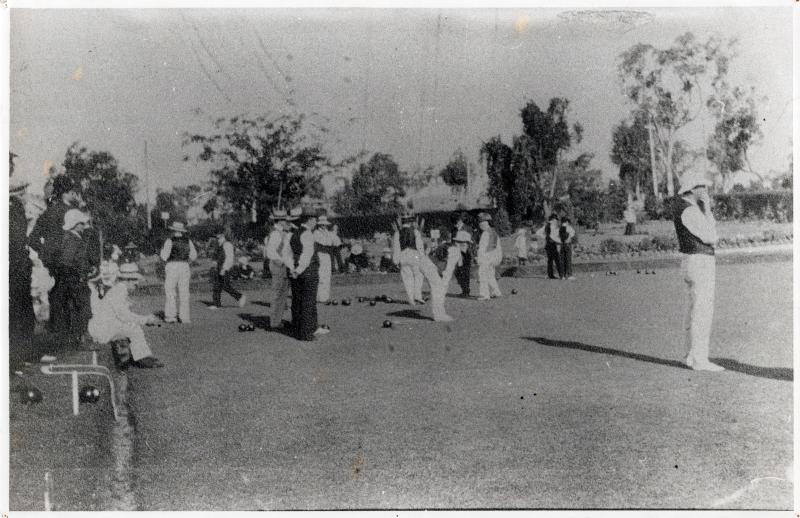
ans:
(697, 235)
(407, 249)
(325, 250)
(178, 251)
(457, 253)
(280, 280)
(490, 255)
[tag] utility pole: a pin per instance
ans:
(147, 188)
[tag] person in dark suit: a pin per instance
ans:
(464, 269)
(71, 285)
(21, 319)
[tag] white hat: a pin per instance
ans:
(294, 214)
(462, 236)
(278, 215)
(323, 220)
(691, 180)
(73, 217)
(178, 226)
(108, 273)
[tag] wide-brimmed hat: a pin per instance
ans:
(130, 245)
(294, 214)
(178, 226)
(484, 216)
(17, 185)
(323, 220)
(278, 215)
(691, 180)
(129, 272)
(108, 273)
(462, 236)
(73, 217)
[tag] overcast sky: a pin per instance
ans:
(416, 84)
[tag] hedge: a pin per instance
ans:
(760, 205)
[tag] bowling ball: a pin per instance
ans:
(89, 394)
(345, 302)
(653, 272)
(383, 298)
(31, 395)
(242, 328)
(638, 271)
(334, 302)
(361, 299)
(388, 300)
(251, 327)
(387, 324)
(513, 292)
(372, 302)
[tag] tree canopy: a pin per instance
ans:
(376, 188)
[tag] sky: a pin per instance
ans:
(417, 84)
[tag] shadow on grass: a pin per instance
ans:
(775, 373)
(261, 303)
(408, 313)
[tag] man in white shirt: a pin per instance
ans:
(178, 251)
(222, 280)
(490, 255)
(277, 268)
(697, 235)
(407, 251)
(325, 251)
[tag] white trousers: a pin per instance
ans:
(324, 286)
(280, 290)
(438, 288)
(106, 331)
(177, 279)
(487, 280)
(411, 274)
(699, 273)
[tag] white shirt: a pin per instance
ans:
(227, 247)
(701, 225)
(274, 248)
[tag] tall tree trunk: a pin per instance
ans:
(668, 169)
(653, 169)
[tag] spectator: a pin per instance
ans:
(73, 271)
(112, 318)
(337, 254)
(223, 272)
(630, 220)
(178, 251)
(387, 265)
(21, 319)
(567, 235)
(358, 258)
(521, 245)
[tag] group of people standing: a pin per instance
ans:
(559, 236)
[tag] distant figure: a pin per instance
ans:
(697, 235)
(276, 242)
(223, 272)
(521, 246)
(338, 265)
(178, 251)
(490, 255)
(407, 252)
(566, 234)
(630, 220)
(358, 258)
(552, 242)
(387, 265)
(21, 318)
(325, 251)
(463, 270)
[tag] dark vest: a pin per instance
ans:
(180, 249)
(548, 231)
(563, 234)
(407, 238)
(688, 243)
(219, 255)
(297, 249)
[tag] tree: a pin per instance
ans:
(631, 152)
(736, 130)
(108, 192)
(376, 188)
(497, 156)
(262, 163)
(550, 136)
(456, 172)
(668, 84)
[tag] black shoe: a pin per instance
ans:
(147, 363)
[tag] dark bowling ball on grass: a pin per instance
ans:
(242, 328)
(387, 324)
(345, 302)
(513, 292)
(361, 299)
(334, 302)
(388, 300)
(89, 394)
(31, 395)
(251, 327)
(372, 302)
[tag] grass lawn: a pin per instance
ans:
(567, 395)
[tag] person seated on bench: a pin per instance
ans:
(112, 318)
(358, 258)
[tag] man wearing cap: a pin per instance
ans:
(407, 250)
(178, 251)
(301, 257)
(276, 241)
(222, 273)
(45, 239)
(697, 235)
(21, 319)
(490, 255)
(325, 251)
(112, 318)
(72, 272)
